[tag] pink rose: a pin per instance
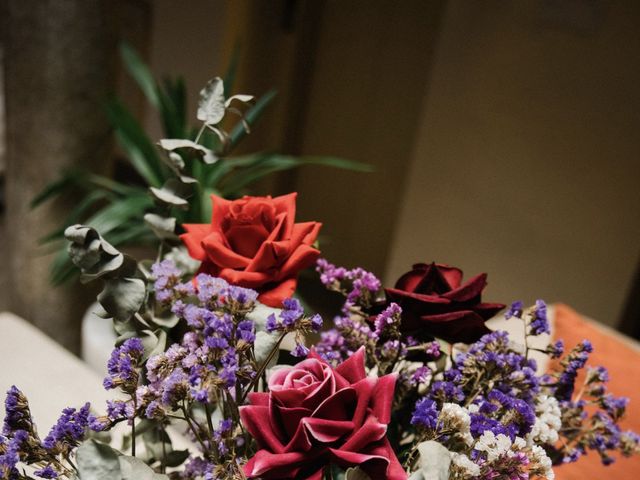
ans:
(315, 415)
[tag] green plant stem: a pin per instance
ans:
(133, 426)
(263, 367)
(207, 410)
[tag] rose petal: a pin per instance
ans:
(287, 204)
(303, 257)
(488, 310)
(289, 419)
(382, 398)
(264, 461)
(469, 291)
(364, 390)
(258, 398)
(274, 296)
(246, 240)
(220, 254)
(353, 368)
(273, 249)
(338, 406)
(327, 431)
(452, 275)
(370, 432)
(219, 211)
(372, 463)
(256, 420)
(193, 239)
(462, 326)
(410, 280)
(244, 279)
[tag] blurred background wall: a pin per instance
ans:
(503, 133)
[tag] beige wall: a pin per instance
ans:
(527, 163)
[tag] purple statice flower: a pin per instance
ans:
(316, 323)
(246, 331)
(421, 375)
(300, 351)
(614, 406)
(433, 350)
(17, 413)
(425, 414)
(516, 415)
(332, 346)
(539, 324)
(196, 467)
(241, 299)
(210, 289)
(292, 312)
(68, 431)
(598, 374)
(272, 323)
(481, 423)
(515, 310)
(330, 275)
(447, 392)
(10, 457)
(572, 364)
(174, 388)
(165, 275)
(47, 472)
(556, 350)
(293, 319)
(122, 367)
(388, 321)
(359, 286)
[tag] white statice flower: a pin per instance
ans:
(493, 445)
(467, 468)
(548, 422)
(541, 463)
(454, 417)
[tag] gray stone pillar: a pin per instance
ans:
(58, 63)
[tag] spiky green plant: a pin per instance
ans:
(117, 209)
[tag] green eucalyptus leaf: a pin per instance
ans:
(163, 227)
(211, 106)
(91, 253)
(166, 322)
(176, 458)
(171, 144)
(173, 193)
(97, 461)
(123, 297)
(356, 474)
(239, 98)
(133, 468)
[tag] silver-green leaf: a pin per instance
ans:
(211, 106)
(163, 227)
(97, 461)
(132, 468)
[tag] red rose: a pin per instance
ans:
(253, 242)
(435, 302)
(315, 415)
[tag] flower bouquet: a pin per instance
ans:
(405, 382)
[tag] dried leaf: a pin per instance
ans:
(163, 227)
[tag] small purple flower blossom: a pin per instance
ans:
(425, 414)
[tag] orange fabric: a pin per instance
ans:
(623, 363)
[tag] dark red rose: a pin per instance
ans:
(315, 415)
(436, 303)
(254, 242)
